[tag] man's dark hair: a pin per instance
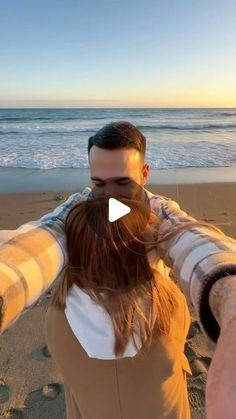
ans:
(118, 135)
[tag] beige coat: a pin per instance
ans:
(150, 385)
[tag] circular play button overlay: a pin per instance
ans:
(118, 210)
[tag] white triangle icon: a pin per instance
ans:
(116, 209)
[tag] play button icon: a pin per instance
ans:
(116, 209)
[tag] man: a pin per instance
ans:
(203, 260)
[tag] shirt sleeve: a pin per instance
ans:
(198, 256)
(32, 257)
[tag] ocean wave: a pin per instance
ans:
(224, 114)
(52, 118)
(25, 119)
(43, 130)
(158, 127)
(191, 127)
(46, 165)
(159, 155)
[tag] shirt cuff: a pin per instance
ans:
(209, 324)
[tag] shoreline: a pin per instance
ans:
(18, 180)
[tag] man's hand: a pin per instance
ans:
(221, 379)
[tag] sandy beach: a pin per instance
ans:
(30, 386)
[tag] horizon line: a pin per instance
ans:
(117, 107)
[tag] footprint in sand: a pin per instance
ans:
(206, 361)
(46, 352)
(40, 354)
(198, 367)
(4, 392)
(49, 392)
(189, 352)
(194, 329)
(59, 197)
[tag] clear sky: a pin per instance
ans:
(144, 53)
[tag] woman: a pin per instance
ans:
(117, 324)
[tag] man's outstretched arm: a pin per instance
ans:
(199, 256)
(32, 257)
(221, 378)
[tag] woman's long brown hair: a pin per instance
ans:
(109, 262)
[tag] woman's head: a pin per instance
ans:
(97, 246)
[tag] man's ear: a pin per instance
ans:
(146, 170)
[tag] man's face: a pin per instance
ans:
(115, 168)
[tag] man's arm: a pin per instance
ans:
(31, 258)
(198, 255)
(221, 378)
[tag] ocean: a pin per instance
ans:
(176, 138)
(46, 149)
